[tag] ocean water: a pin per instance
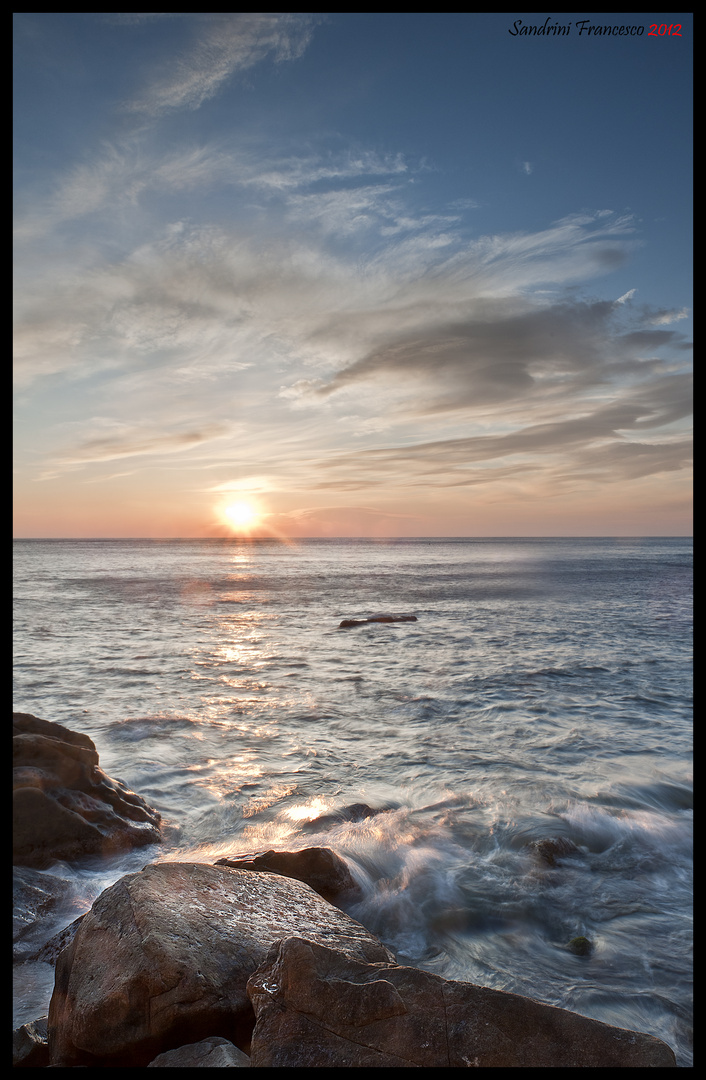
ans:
(543, 692)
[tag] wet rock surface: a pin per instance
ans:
(552, 848)
(315, 1008)
(164, 956)
(30, 1049)
(38, 900)
(580, 946)
(320, 867)
(64, 806)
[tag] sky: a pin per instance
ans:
(359, 274)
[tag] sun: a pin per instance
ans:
(241, 515)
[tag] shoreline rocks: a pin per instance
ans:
(194, 965)
(316, 1008)
(164, 956)
(64, 806)
(215, 963)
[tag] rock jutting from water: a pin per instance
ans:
(552, 848)
(345, 623)
(352, 812)
(64, 806)
(320, 867)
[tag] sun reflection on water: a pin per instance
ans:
(308, 811)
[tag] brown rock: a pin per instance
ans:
(214, 1053)
(64, 806)
(29, 1045)
(320, 867)
(164, 956)
(315, 1008)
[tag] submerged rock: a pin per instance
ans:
(315, 1008)
(164, 956)
(64, 806)
(376, 619)
(36, 900)
(552, 848)
(320, 867)
(581, 946)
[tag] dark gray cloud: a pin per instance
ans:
(498, 354)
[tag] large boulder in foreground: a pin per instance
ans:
(64, 806)
(316, 1008)
(164, 956)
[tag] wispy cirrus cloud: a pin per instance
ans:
(334, 289)
(114, 440)
(223, 45)
(664, 317)
(606, 444)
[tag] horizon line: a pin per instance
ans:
(450, 536)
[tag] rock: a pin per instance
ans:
(376, 618)
(315, 1008)
(320, 867)
(49, 951)
(29, 1045)
(164, 956)
(214, 1053)
(36, 899)
(581, 946)
(354, 812)
(552, 848)
(64, 806)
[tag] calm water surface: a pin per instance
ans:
(544, 691)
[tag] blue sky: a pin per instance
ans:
(369, 274)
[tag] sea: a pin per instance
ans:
(544, 692)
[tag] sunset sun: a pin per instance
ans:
(241, 515)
